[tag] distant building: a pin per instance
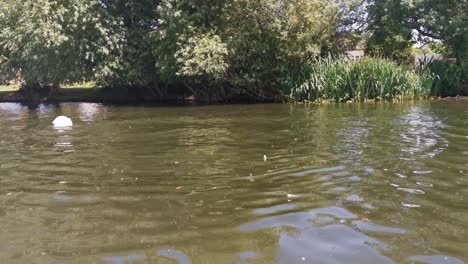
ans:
(427, 56)
(424, 59)
(354, 47)
(355, 54)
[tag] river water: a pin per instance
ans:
(339, 183)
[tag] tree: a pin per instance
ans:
(137, 65)
(251, 43)
(394, 22)
(390, 36)
(444, 20)
(351, 16)
(208, 45)
(56, 41)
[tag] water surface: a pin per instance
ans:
(346, 183)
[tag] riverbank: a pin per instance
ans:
(328, 80)
(11, 93)
(133, 95)
(77, 94)
(92, 94)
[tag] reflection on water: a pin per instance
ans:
(421, 135)
(364, 183)
(88, 112)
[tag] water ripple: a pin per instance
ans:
(346, 183)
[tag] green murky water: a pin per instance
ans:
(375, 183)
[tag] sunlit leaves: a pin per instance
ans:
(393, 24)
(58, 41)
(244, 42)
(203, 55)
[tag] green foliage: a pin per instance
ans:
(252, 42)
(390, 37)
(441, 49)
(56, 41)
(450, 79)
(172, 26)
(136, 67)
(393, 23)
(341, 80)
(217, 48)
(204, 56)
(445, 20)
(267, 37)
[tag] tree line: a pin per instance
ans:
(216, 49)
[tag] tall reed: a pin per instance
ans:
(450, 79)
(341, 80)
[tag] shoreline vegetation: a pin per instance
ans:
(245, 51)
(328, 80)
(10, 94)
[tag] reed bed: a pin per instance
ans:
(450, 79)
(342, 80)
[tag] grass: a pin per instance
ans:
(341, 80)
(74, 92)
(85, 91)
(9, 88)
(83, 85)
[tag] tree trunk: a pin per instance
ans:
(53, 90)
(459, 56)
(31, 93)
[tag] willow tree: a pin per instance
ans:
(56, 41)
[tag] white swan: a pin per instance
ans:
(62, 121)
